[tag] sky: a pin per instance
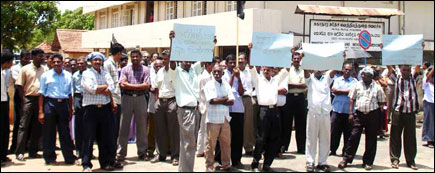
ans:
(69, 5)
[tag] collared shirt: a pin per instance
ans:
(296, 77)
(164, 84)
(340, 104)
(217, 113)
(428, 91)
(238, 103)
(90, 81)
(77, 81)
(15, 71)
(319, 94)
(135, 76)
(405, 97)
(111, 67)
(29, 77)
(267, 91)
(152, 99)
(56, 86)
(282, 99)
(5, 75)
(204, 78)
(245, 75)
(186, 84)
(367, 98)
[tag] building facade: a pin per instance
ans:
(146, 24)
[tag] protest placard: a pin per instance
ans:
(193, 43)
(271, 49)
(402, 49)
(323, 56)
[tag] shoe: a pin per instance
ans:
(20, 157)
(35, 156)
(175, 162)
(54, 163)
(342, 165)
(249, 153)
(324, 168)
(122, 159)
(108, 168)
(267, 169)
(118, 165)
(310, 167)
(238, 166)
(157, 158)
(395, 165)
(332, 154)
(368, 167)
(76, 163)
(200, 155)
(280, 156)
(413, 167)
(255, 170)
(87, 170)
(301, 152)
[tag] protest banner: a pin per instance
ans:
(271, 49)
(402, 50)
(323, 56)
(193, 43)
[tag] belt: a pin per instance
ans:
(364, 113)
(57, 100)
(78, 95)
(98, 105)
(165, 99)
(134, 95)
(189, 107)
(246, 96)
(296, 94)
(270, 107)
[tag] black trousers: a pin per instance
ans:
(5, 130)
(18, 107)
(78, 124)
(117, 119)
(340, 125)
(30, 129)
(268, 136)
(295, 108)
(99, 124)
(56, 116)
(368, 122)
(406, 123)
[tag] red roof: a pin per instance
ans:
(69, 40)
(46, 47)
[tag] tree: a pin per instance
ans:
(75, 20)
(21, 19)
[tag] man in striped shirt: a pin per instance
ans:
(368, 97)
(405, 108)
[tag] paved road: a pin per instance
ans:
(294, 162)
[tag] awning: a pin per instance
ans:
(347, 11)
(91, 6)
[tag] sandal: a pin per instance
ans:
(395, 165)
(368, 167)
(342, 165)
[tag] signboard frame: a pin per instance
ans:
(349, 21)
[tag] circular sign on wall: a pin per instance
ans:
(365, 40)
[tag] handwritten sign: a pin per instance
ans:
(323, 56)
(193, 43)
(271, 50)
(326, 31)
(402, 50)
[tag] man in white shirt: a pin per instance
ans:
(185, 78)
(6, 62)
(219, 97)
(269, 125)
(15, 70)
(318, 119)
(428, 123)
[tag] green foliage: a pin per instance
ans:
(20, 19)
(75, 20)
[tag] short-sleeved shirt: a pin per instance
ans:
(238, 103)
(319, 94)
(164, 84)
(296, 77)
(56, 86)
(428, 91)
(217, 113)
(111, 67)
(367, 98)
(186, 84)
(267, 90)
(282, 99)
(29, 77)
(247, 82)
(341, 103)
(15, 71)
(405, 94)
(152, 98)
(135, 76)
(204, 78)
(90, 81)
(4, 84)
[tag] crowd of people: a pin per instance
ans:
(211, 109)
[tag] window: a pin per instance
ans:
(198, 8)
(231, 5)
(115, 18)
(128, 17)
(170, 10)
(102, 20)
